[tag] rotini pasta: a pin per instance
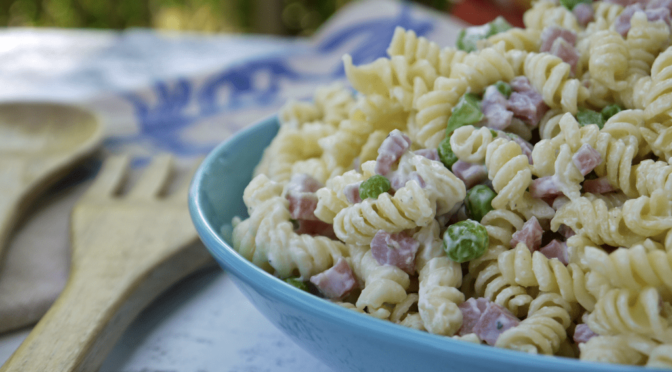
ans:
(550, 76)
(470, 144)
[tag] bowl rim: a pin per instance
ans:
(341, 316)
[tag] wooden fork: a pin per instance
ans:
(126, 250)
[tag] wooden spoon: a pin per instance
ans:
(126, 250)
(39, 143)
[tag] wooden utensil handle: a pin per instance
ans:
(83, 325)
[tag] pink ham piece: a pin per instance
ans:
(470, 173)
(390, 151)
(583, 333)
(494, 321)
(316, 228)
(472, 309)
(336, 282)
(545, 187)
(598, 186)
(584, 14)
(553, 33)
(431, 154)
(494, 108)
(301, 195)
(351, 193)
(526, 103)
(566, 231)
(530, 235)
(586, 159)
(396, 249)
(556, 249)
(566, 52)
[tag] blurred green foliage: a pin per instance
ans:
(290, 17)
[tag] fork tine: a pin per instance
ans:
(181, 193)
(110, 177)
(154, 178)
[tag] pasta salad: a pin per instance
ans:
(515, 190)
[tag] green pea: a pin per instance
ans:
(586, 116)
(465, 241)
(373, 187)
(446, 154)
(503, 88)
(570, 4)
(297, 283)
(498, 25)
(610, 111)
(468, 111)
(478, 201)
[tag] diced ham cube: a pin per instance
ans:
(351, 193)
(566, 52)
(598, 186)
(335, 282)
(302, 205)
(584, 13)
(431, 154)
(300, 191)
(566, 231)
(583, 333)
(553, 33)
(494, 321)
(526, 103)
(396, 249)
(545, 187)
(586, 159)
(530, 235)
(390, 151)
(316, 228)
(472, 309)
(494, 109)
(556, 249)
(470, 173)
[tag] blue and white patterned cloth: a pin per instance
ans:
(184, 94)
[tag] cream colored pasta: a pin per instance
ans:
(574, 145)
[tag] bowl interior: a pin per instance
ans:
(346, 340)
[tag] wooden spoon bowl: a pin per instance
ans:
(39, 143)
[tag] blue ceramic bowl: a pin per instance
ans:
(341, 338)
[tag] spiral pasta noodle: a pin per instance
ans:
(509, 171)
(518, 39)
(658, 105)
(470, 144)
(541, 332)
(434, 110)
(483, 69)
(633, 268)
(622, 311)
(609, 59)
(384, 284)
(620, 349)
(660, 357)
(550, 76)
(519, 266)
(545, 13)
(331, 199)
